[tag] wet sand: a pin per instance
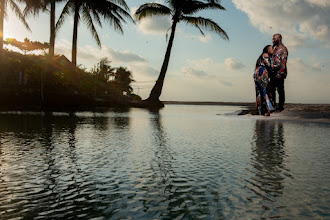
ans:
(292, 112)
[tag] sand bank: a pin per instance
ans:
(297, 112)
(292, 112)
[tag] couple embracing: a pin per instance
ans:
(269, 76)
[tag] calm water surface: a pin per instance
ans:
(183, 162)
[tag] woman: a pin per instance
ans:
(263, 69)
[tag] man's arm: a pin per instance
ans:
(283, 58)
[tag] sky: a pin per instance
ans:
(206, 68)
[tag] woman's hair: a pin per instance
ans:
(265, 50)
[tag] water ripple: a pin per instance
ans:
(160, 165)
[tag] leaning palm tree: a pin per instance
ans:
(180, 11)
(112, 11)
(34, 7)
(3, 15)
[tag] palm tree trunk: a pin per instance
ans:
(75, 35)
(52, 30)
(157, 89)
(2, 17)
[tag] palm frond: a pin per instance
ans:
(121, 3)
(33, 7)
(19, 13)
(90, 25)
(120, 12)
(115, 23)
(96, 17)
(151, 9)
(64, 14)
(196, 6)
(205, 23)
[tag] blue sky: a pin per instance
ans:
(208, 68)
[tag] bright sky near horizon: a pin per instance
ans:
(207, 68)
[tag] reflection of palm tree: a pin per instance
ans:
(172, 191)
(268, 161)
(3, 15)
(90, 11)
(180, 10)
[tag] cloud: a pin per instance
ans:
(205, 39)
(298, 21)
(144, 70)
(298, 67)
(155, 25)
(225, 82)
(194, 72)
(322, 3)
(203, 68)
(90, 54)
(233, 64)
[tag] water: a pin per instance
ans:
(184, 162)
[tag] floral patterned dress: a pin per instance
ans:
(261, 79)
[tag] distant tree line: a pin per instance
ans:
(34, 81)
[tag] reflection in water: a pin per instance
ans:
(268, 161)
(159, 165)
(39, 170)
(177, 193)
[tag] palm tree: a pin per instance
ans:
(3, 15)
(114, 12)
(123, 80)
(180, 11)
(104, 71)
(33, 7)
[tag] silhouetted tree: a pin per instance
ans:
(3, 15)
(34, 7)
(123, 80)
(180, 11)
(92, 11)
(27, 45)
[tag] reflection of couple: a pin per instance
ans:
(269, 76)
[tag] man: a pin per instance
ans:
(277, 81)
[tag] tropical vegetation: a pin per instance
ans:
(34, 7)
(24, 84)
(52, 80)
(91, 11)
(3, 14)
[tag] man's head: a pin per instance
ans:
(277, 39)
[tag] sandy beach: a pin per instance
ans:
(304, 112)
(292, 112)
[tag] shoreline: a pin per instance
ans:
(318, 113)
(208, 103)
(300, 112)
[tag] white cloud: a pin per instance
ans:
(297, 20)
(91, 55)
(144, 71)
(194, 72)
(322, 3)
(233, 64)
(205, 39)
(203, 68)
(298, 67)
(154, 25)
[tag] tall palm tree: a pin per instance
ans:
(34, 7)
(180, 11)
(114, 11)
(3, 15)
